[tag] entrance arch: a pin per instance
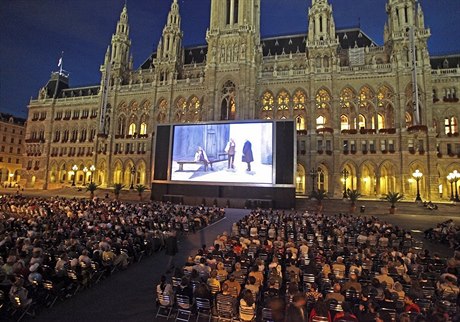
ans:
(300, 179)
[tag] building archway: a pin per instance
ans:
(368, 182)
(300, 179)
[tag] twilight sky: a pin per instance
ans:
(34, 32)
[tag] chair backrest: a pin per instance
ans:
(320, 319)
(203, 304)
(183, 301)
(267, 314)
(165, 300)
(225, 309)
(247, 311)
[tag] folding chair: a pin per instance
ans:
(267, 315)
(21, 307)
(165, 309)
(184, 308)
(203, 308)
(247, 311)
(225, 311)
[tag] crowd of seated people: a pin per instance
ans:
(279, 266)
(52, 248)
(446, 232)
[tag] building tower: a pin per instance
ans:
(120, 51)
(233, 40)
(168, 61)
(322, 43)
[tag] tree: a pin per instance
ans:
(393, 198)
(117, 187)
(91, 187)
(319, 196)
(140, 190)
(353, 195)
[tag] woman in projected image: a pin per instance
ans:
(200, 156)
(247, 154)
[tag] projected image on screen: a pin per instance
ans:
(239, 153)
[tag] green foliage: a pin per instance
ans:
(354, 195)
(117, 187)
(140, 188)
(91, 187)
(393, 198)
(319, 195)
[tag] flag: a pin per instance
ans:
(60, 62)
(356, 56)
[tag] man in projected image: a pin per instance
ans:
(247, 154)
(230, 150)
(200, 156)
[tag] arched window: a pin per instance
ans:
(132, 129)
(365, 95)
(181, 110)
(346, 97)
(162, 111)
(194, 110)
(408, 118)
(451, 125)
(121, 125)
(361, 121)
(268, 102)
(283, 101)
(320, 122)
(384, 95)
(143, 128)
(380, 121)
(344, 123)
(299, 100)
(228, 104)
(300, 123)
(323, 99)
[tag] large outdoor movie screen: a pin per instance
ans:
(223, 152)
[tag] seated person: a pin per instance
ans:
(336, 294)
(19, 291)
(165, 289)
(226, 297)
(233, 286)
(247, 306)
(185, 290)
(200, 156)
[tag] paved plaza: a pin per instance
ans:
(130, 295)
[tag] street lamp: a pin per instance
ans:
(418, 176)
(85, 171)
(345, 174)
(451, 180)
(133, 171)
(92, 168)
(456, 176)
(313, 174)
(74, 170)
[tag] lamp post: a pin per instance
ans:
(418, 176)
(92, 168)
(456, 176)
(313, 174)
(345, 174)
(74, 170)
(451, 179)
(133, 171)
(85, 171)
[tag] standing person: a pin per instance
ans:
(171, 248)
(247, 154)
(230, 150)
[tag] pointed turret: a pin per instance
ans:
(321, 26)
(121, 45)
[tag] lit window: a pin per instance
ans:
(132, 129)
(300, 123)
(143, 129)
(320, 122)
(361, 121)
(344, 125)
(380, 121)
(322, 99)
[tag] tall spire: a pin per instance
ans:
(170, 44)
(321, 26)
(121, 45)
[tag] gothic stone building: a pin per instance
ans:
(352, 101)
